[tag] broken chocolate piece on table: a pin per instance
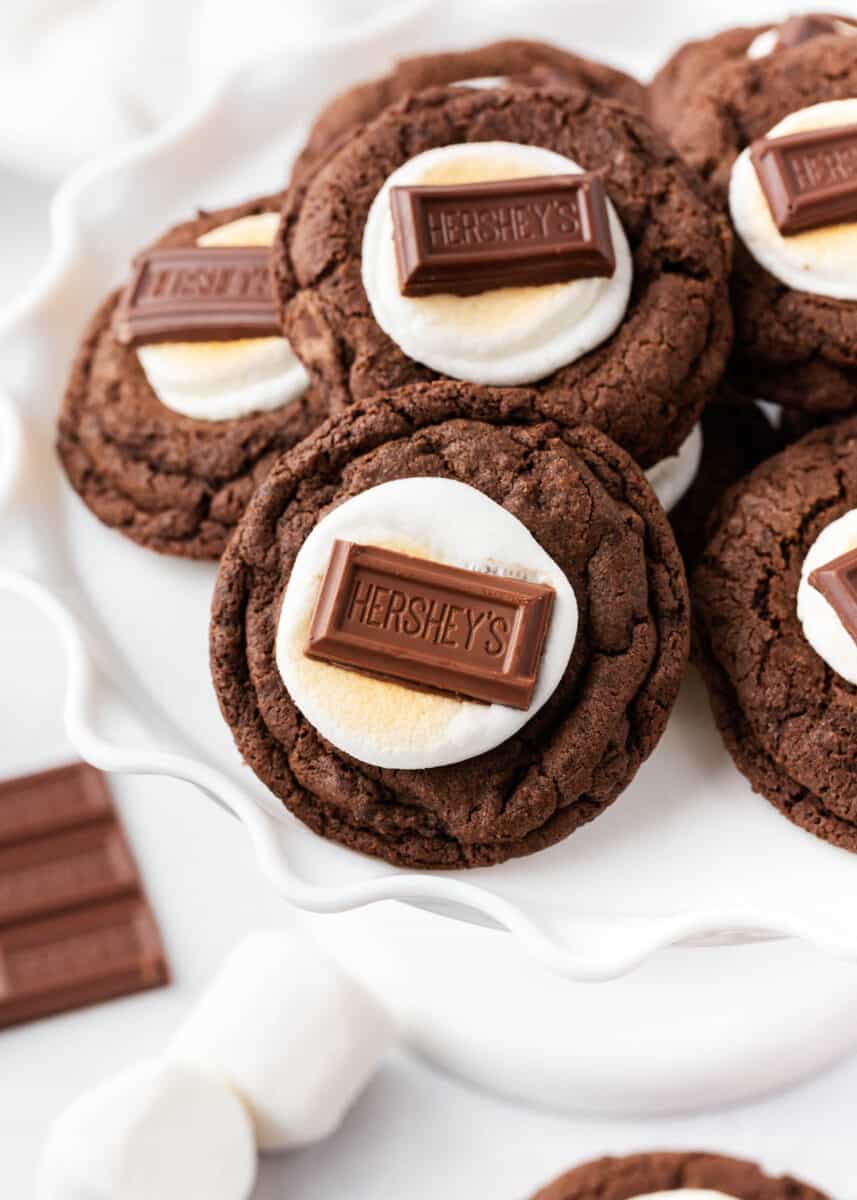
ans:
(75, 925)
(809, 178)
(198, 293)
(837, 582)
(472, 237)
(431, 625)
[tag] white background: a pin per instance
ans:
(414, 1134)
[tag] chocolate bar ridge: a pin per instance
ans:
(433, 626)
(809, 179)
(470, 238)
(198, 293)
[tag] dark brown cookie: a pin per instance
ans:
(646, 385)
(587, 505)
(525, 63)
(170, 482)
(680, 78)
(736, 437)
(658, 1171)
(792, 347)
(789, 721)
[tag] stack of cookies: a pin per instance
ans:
(442, 406)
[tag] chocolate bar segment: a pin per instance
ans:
(198, 293)
(78, 958)
(810, 178)
(475, 237)
(49, 801)
(837, 582)
(75, 926)
(430, 625)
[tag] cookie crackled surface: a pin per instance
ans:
(787, 713)
(165, 443)
(616, 671)
(645, 375)
(685, 1175)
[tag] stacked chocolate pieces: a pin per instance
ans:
(75, 925)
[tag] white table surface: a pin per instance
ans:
(414, 1133)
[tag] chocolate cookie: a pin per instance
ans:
(786, 714)
(606, 681)
(170, 481)
(645, 1174)
(736, 437)
(676, 83)
(793, 345)
(521, 62)
(644, 383)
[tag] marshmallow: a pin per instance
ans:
(685, 1194)
(389, 724)
(767, 41)
(509, 335)
(671, 477)
(821, 625)
(161, 1130)
(219, 381)
(296, 1037)
(822, 261)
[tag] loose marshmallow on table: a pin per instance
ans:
(293, 1034)
(389, 724)
(160, 1131)
(218, 381)
(509, 335)
(821, 261)
(821, 625)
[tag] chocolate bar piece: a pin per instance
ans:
(474, 237)
(75, 926)
(433, 626)
(810, 178)
(837, 582)
(198, 293)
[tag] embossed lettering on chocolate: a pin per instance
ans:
(468, 238)
(587, 505)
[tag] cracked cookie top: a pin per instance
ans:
(174, 482)
(587, 507)
(515, 61)
(644, 384)
(687, 1173)
(792, 345)
(788, 718)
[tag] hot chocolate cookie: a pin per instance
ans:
(500, 64)
(680, 78)
(775, 613)
(632, 339)
(184, 389)
(776, 138)
(681, 1176)
(448, 630)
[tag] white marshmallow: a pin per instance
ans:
(507, 335)
(822, 261)
(291, 1032)
(483, 81)
(671, 477)
(821, 626)
(158, 1130)
(389, 724)
(219, 381)
(685, 1194)
(766, 42)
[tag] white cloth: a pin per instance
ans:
(81, 76)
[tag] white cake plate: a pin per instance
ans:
(688, 854)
